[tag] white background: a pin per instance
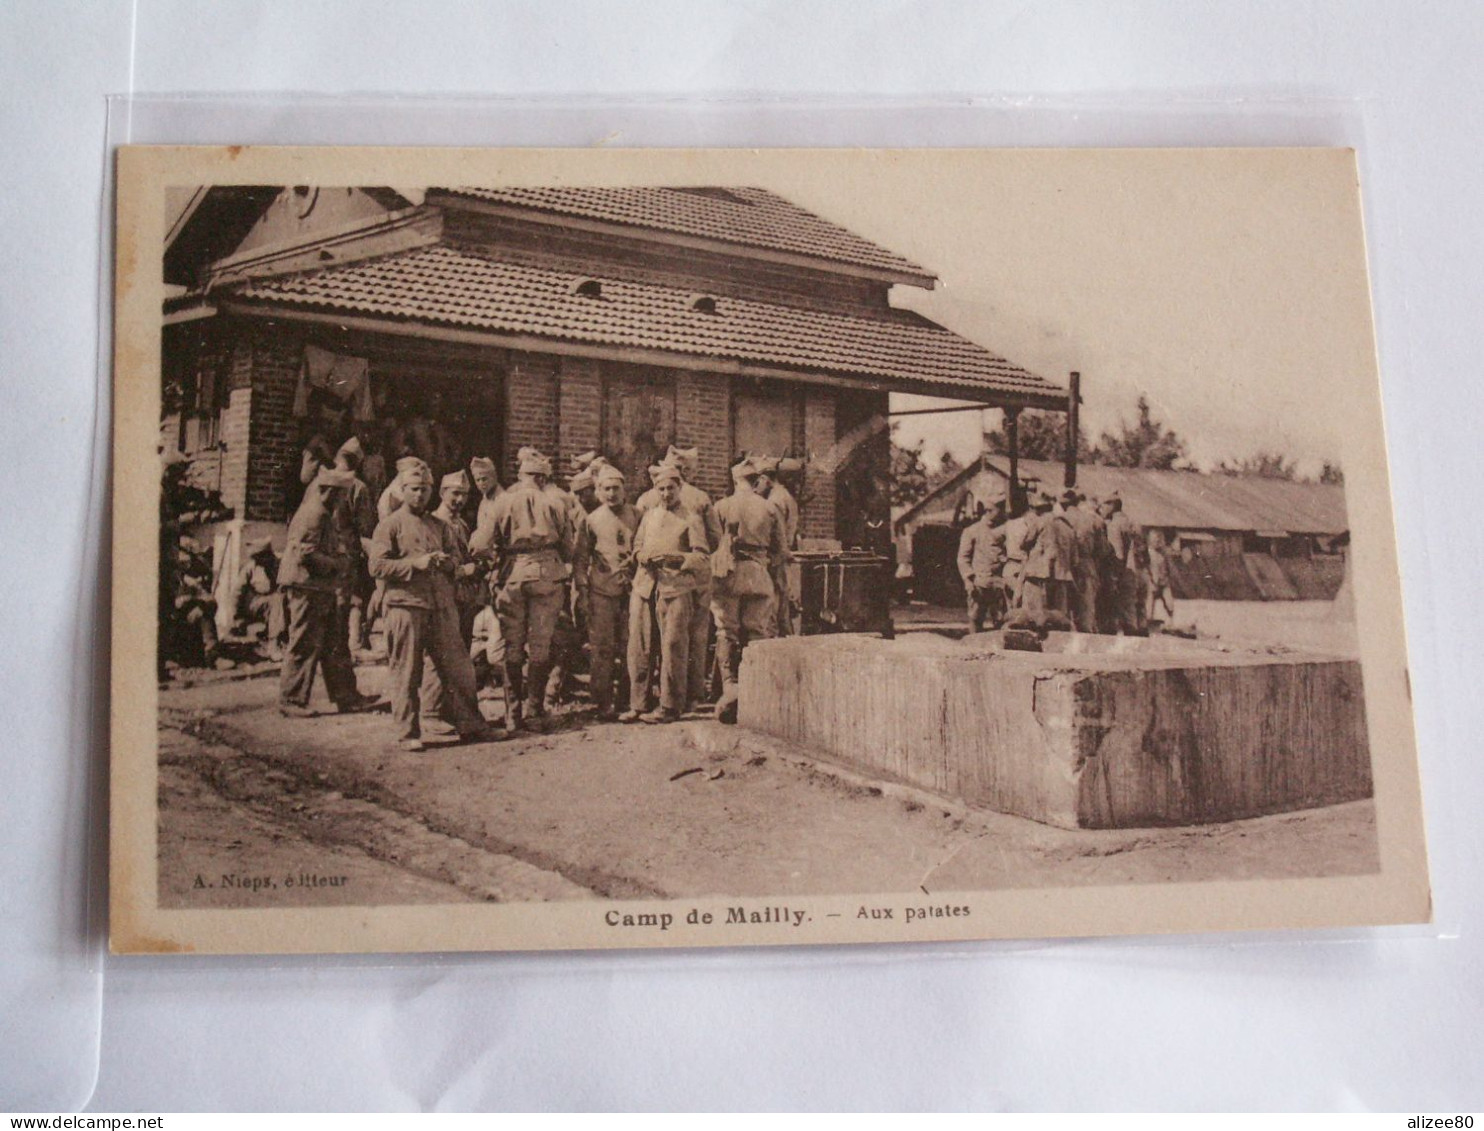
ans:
(1388, 1021)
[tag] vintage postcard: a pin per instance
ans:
(522, 549)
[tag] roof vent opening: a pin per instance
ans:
(714, 192)
(588, 288)
(703, 304)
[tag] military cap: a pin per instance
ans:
(584, 460)
(455, 479)
(683, 458)
(790, 464)
(417, 474)
(607, 473)
(664, 473)
(407, 463)
(581, 481)
(744, 469)
(481, 464)
(533, 462)
(766, 465)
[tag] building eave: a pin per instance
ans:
(534, 343)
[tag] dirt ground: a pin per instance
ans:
(1308, 625)
(259, 810)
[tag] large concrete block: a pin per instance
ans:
(1095, 732)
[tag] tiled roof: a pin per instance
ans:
(442, 285)
(751, 217)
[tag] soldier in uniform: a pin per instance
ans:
(313, 575)
(356, 518)
(530, 534)
(487, 489)
(743, 567)
(1160, 590)
(695, 500)
(981, 563)
(453, 497)
(782, 499)
(417, 556)
(468, 590)
(1092, 550)
(567, 637)
(487, 649)
(1014, 568)
(584, 481)
(1050, 546)
(672, 548)
(602, 578)
(328, 428)
(1129, 558)
(391, 498)
(486, 482)
(258, 598)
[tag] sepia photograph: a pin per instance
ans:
(580, 549)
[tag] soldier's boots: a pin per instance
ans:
(486, 733)
(536, 718)
(729, 662)
(515, 683)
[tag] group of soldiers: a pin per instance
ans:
(646, 583)
(1070, 561)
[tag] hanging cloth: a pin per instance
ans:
(348, 378)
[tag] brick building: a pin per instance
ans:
(621, 319)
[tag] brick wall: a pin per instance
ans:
(818, 503)
(236, 431)
(270, 359)
(579, 409)
(703, 419)
(235, 447)
(531, 407)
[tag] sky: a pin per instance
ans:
(1227, 286)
